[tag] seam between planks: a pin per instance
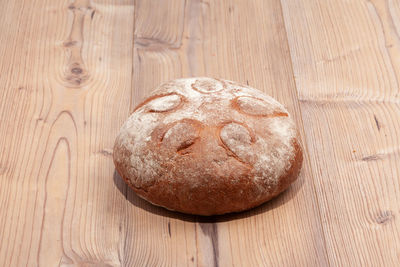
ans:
(123, 259)
(133, 59)
(305, 146)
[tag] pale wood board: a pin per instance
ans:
(346, 64)
(72, 71)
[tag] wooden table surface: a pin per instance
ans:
(72, 71)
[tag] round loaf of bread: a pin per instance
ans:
(206, 146)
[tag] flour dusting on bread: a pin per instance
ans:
(164, 103)
(226, 125)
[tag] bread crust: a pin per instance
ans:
(206, 146)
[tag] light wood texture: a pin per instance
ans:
(346, 64)
(72, 71)
(66, 84)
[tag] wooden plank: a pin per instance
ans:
(66, 84)
(242, 41)
(345, 60)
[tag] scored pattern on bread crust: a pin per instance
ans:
(181, 135)
(207, 85)
(210, 120)
(239, 140)
(161, 103)
(257, 107)
(164, 103)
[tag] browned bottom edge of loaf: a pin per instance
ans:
(284, 183)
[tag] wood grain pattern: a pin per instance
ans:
(66, 83)
(345, 60)
(72, 71)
